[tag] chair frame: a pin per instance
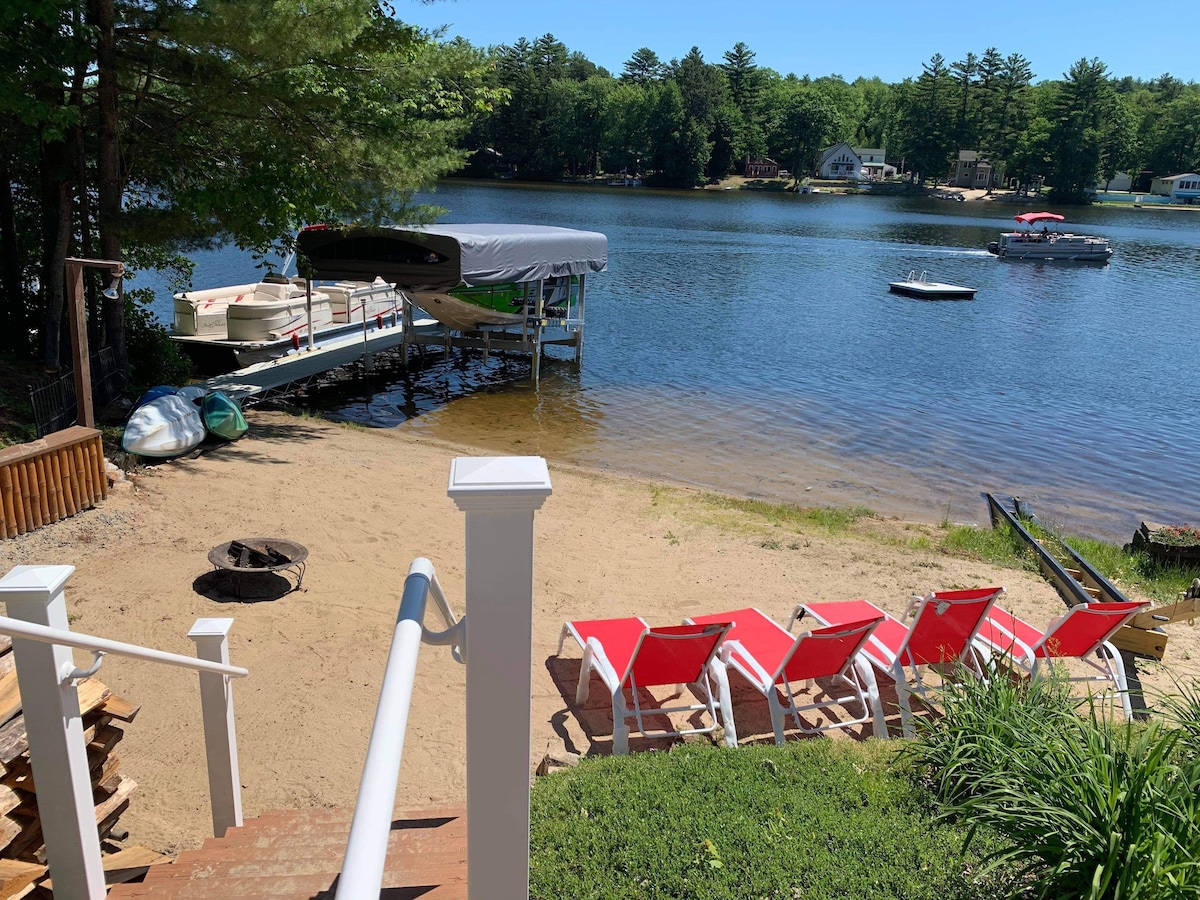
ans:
(855, 674)
(974, 657)
(1108, 662)
(595, 659)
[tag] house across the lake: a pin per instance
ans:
(975, 171)
(843, 161)
(762, 168)
(1185, 188)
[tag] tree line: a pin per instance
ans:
(689, 119)
(139, 130)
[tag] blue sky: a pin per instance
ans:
(866, 38)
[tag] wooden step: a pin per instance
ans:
(298, 854)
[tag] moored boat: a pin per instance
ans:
(1030, 243)
(228, 327)
(470, 277)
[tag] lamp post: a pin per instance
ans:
(79, 337)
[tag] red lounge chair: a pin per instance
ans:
(1084, 630)
(628, 654)
(941, 632)
(768, 655)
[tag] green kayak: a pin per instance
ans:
(223, 417)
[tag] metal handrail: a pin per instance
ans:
(102, 646)
(366, 849)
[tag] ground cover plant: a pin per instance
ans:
(1088, 807)
(813, 819)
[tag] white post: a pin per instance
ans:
(220, 738)
(50, 703)
(499, 496)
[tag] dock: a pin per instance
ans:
(298, 368)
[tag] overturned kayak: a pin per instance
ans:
(163, 427)
(222, 416)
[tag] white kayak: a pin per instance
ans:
(164, 427)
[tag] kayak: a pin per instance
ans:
(222, 416)
(163, 427)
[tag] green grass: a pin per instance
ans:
(814, 819)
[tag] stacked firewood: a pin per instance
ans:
(22, 848)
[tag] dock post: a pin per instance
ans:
(579, 331)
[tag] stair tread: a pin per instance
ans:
(298, 854)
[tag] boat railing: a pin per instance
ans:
(47, 677)
(366, 849)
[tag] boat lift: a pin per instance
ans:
(551, 263)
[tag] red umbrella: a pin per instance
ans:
(1030, 218)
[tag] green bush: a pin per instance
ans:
(1089, 808)
(818, 819)
(153, 357)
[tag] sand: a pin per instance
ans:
(365, 503)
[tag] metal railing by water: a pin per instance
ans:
(366, 849)
(47, 676)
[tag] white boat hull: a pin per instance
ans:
(1080, 247)
(462, 315)
(164, 427)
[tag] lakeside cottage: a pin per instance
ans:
(1185, 187)
(975, 171)
(762, 168)
(843, 161)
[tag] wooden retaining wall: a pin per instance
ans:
(50, 478)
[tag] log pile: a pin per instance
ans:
(22, 848)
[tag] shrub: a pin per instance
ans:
(1090, 808)
(153, 357)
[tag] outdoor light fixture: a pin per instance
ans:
(113, 290)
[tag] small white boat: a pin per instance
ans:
(921, 286)
(1046, 244)
(163, 427)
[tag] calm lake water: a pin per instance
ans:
(747, 342)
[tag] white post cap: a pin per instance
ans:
(208, 628)
(499, 482)
(35, 579)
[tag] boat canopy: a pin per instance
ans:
(1030, 218)
(440, 257)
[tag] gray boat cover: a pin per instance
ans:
(439, 257)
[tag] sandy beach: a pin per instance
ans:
(365, 503)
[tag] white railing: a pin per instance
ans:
(366, 849)
(47, 677)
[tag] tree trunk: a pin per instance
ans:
(56, 235)
(83, 211)
(14, 324)
(108, 165)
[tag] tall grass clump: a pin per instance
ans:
(1088, 807)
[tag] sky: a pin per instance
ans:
(866, 38)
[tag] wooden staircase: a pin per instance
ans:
(298, 854)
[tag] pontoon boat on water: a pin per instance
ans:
(1031, 243)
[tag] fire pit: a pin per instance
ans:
(250, 557)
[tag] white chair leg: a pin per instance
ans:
(585, 675)
(866, 676)
(620, 724)
(1117, 665)
(902, 694)
(724, 701)
(777, 714)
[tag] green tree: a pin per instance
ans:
(965, 72)
(1085, 116)
(926, 120)
(678, 144)
(807, 124)
(643, 67)
(744, 78)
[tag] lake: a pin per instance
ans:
(747, 342)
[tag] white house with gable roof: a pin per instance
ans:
(839, 161)
(1184, 187)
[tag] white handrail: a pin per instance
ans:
(17, 628)
(366, 849)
